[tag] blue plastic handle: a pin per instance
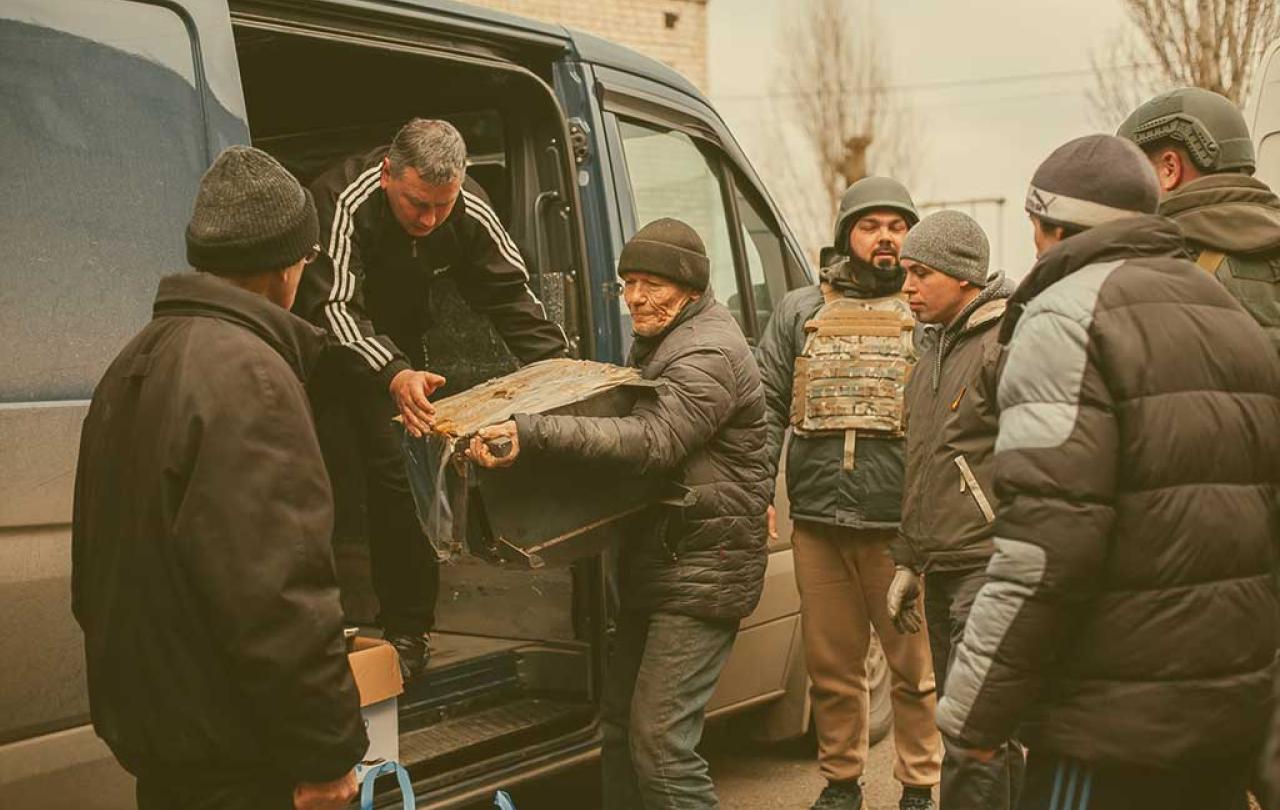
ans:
(371, 775)
(502, 801)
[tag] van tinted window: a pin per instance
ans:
(101, 148)
(670, 177)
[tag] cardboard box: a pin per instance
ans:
(376, 668)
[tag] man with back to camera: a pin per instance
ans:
(391, 221)
(834, 359)
(1127, 627)
(202, 572)
(1204, 159)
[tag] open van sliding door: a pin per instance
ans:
(673, 156)
(514, 674)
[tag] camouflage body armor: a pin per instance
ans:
(852, 373)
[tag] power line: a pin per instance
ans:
(943, 84)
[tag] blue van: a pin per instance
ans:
(111, 111)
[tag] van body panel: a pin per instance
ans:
(68, 770)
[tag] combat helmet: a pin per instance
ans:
(868, 194)
(1209, 126)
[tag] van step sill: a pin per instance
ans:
(468, 734)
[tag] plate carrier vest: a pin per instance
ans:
(851, 376)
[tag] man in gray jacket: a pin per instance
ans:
(947, 511)
(688, 575)
(835, 358)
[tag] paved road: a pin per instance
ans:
(748, 777)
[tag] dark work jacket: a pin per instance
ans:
(202, 572)
(1129, 616)
(1238, 216)
(704, 429)
(867, 497)
(951, 417)
(371, 287)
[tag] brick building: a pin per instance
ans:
(671, 31)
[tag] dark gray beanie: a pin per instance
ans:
(1093, 180)
(668, 248)
(250, 215)
(950, 242)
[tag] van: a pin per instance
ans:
(112, 109)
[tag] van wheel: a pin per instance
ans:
(880, 718)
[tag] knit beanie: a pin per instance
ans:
(250, 215)
(1093, 180)
(668, 248)
(950, 242)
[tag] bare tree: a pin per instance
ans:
(833, 122)
(1214, 44)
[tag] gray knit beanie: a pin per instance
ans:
(1093, 180)
(250, 215)
(950, 242)
(668, 248)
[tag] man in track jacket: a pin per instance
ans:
(391, 222)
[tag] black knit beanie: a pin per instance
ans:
(250, 216)
(668, 248)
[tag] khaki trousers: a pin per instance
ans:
(843, 575)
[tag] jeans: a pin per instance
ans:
(1055, 782)
(406, 575)
(966, 783)
(664, 668)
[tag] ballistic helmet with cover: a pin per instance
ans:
(868, 194)
(1209, 126)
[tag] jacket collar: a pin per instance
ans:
(1230, 212)
(1142, 235)
(204, 295)
(984, 310)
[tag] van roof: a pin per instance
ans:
(589, 47)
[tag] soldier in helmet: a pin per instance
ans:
(834, 360)
(1200, 147)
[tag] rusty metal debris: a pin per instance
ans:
(541, 510)
(536, 388)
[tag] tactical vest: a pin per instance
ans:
(851, 375)
(1254, 281)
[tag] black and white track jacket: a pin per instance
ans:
(371, 286)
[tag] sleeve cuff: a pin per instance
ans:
(527, 433)
(390, 370)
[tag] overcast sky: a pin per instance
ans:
(995, 85)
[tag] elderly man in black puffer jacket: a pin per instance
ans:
(688, 575)
(1127, 628)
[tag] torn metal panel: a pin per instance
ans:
(544, 509)
(536, 388)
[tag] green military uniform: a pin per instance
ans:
(1231, 220)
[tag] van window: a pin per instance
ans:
(101, 147)
(671, 177)
(766, 257)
